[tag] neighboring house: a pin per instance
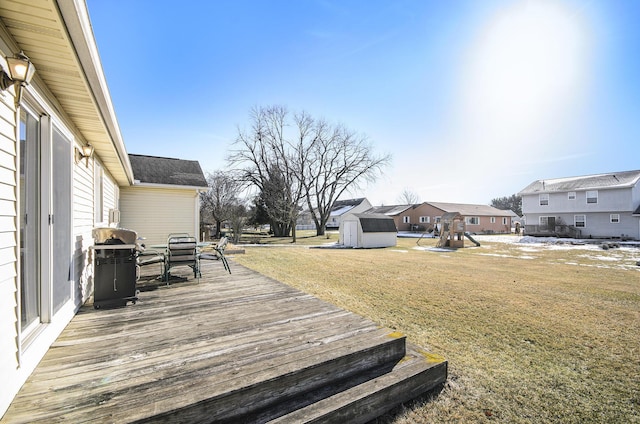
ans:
(342, 207)
(367, 230)
(50, 197)
(479, 219)
(401, 215)
(425, 217)
(600, 205)
(164, 199)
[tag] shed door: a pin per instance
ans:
(350, 233)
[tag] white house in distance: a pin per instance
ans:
(600, 206)
(164, 199)
(342, 207)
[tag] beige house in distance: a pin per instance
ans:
(164, 199)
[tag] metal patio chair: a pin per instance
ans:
(218, 253)
(182, 249)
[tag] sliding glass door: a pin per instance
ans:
(45, 210)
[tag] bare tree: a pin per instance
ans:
(316, 164)
(337, 159)
(219, 202)
(266, 158)
(408, 197)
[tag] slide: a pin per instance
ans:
(474, 241)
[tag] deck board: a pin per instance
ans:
(198, 341)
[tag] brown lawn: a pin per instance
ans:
(531, 334)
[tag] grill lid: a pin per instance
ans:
(109, 235)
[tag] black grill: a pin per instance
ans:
(115, 269)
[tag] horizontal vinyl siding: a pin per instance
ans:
(8, 245)
(82, 226)
(155, 213)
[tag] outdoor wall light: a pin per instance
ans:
(84, 152)
(19, 71)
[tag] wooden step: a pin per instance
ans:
(412, 377)
(271, 385)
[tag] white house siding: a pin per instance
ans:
(154, 213)
(622, 201)
(8, 247)
(84, 222)
(16, 361)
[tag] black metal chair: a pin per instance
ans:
(182, 249)
(219, 253)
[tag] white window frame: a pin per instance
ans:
(504, 220)
(571, 195)
(425, 219)
(576, 221)
(406, 219)
(493, 219)
(614, 218)
(472, 220)
(543, 199)
(592, 196)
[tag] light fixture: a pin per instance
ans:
(19, 71)
(84, 152)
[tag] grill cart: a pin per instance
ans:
(115, 270)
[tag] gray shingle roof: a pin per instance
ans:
(391, 210)
(376, 223)
(169, 171)
(585, 182)
(470, 210)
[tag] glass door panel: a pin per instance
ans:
(29, 212)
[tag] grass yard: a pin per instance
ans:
(531, 334)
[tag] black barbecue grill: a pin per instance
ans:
(115, 271)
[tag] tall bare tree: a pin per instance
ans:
(219, 202)
(266, 160)
(315, 164)
(337, 159)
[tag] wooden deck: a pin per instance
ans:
(226, 348)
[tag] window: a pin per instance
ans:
(493, 219)
(438, 218)
(580, 221)
(472, 220)
(614, 218)
(406, 219)
(543, 221)
(571, 195)
(504, 220)
(544, 199)
(425, 219)
(592, 196)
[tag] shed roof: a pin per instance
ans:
(470, 210)
(585, 182)
(167, 171)
(376, 223)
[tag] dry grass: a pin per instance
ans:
(531, 335)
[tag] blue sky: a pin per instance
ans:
(474, 99)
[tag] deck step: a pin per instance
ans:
(416, 374)
(280, 387)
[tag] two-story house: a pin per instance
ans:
(601, 205)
